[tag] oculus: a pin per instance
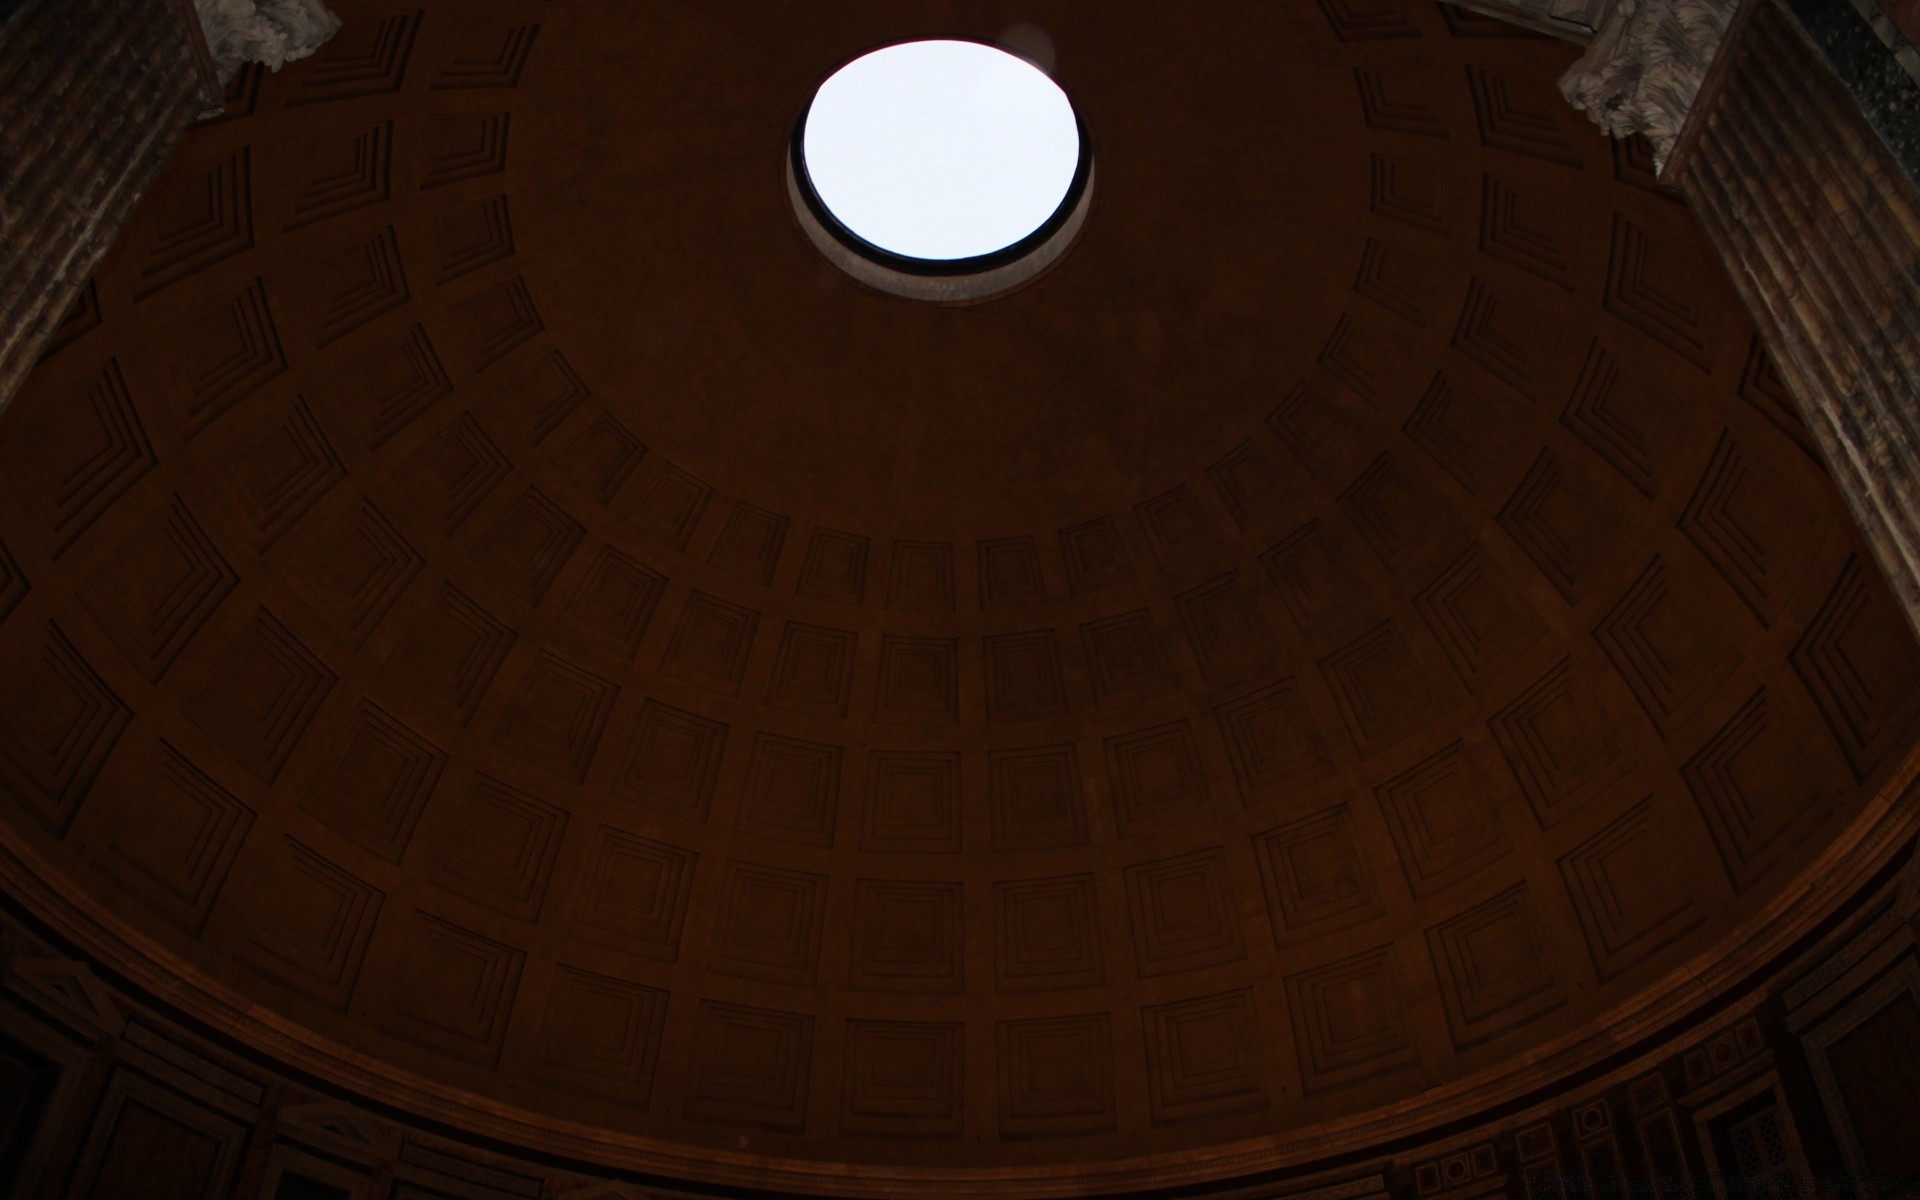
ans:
(940, 170)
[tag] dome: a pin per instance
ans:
(513, 633)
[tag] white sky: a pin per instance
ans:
(941, 149)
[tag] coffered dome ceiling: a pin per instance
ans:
(1359, 639)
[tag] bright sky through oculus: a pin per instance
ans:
(939, 149)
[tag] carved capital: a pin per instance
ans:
(1645, 65)
(273, 32)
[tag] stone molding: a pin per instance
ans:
(1570, 20)
(270, 32)
(1644, 67)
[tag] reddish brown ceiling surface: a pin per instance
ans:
(480, 586)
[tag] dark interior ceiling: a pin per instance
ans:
(1356, 639)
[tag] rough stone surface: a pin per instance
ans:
(1874, 64)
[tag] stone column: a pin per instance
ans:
(1793, 129)
(1819, 227)
(93, 96)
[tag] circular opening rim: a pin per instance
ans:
(906, 275)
